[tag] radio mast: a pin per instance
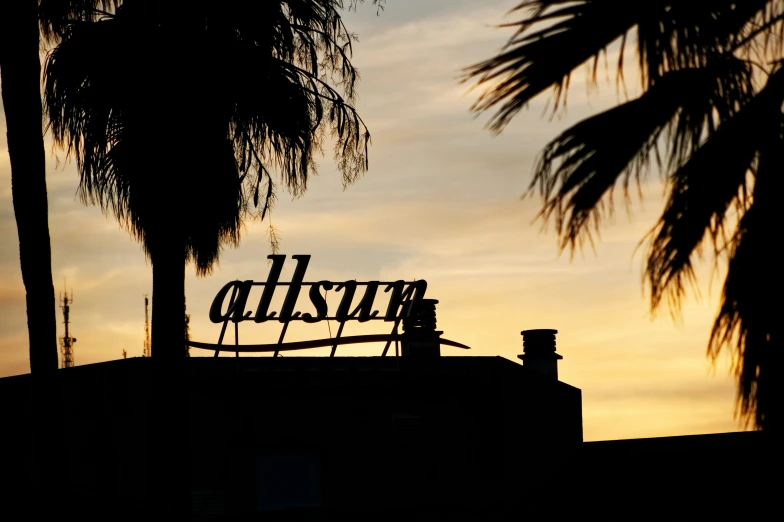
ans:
(66, 341)
(146, 351)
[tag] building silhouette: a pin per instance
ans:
(415, 437)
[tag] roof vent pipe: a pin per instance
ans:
(539, 352)
(420, 337)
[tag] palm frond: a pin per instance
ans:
(749, 319)
(726, 87)
(56, 15)
(557, 37)
(272, 80)
(720, 128)
(678, 35)
(581, 167)
(704, 190)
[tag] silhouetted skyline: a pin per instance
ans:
(439, 202)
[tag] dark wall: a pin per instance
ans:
(720, 476)
(340, 437)
(99, 430)
(373, 439)
(388, 434)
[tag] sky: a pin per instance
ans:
(441, 202)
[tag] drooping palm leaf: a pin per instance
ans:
(558, 36)
(712, 100)
(708, 186)
(574, 31)
(749, 319)
(56, 15)
(258, 71)
(688, 34)
(592, 155)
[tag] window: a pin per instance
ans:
(288, 480)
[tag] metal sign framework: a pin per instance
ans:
(405, 297)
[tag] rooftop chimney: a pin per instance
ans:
(420, 337)
(539, 352)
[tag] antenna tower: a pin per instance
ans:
(66, 341)
(146, 351)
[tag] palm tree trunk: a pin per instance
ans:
(20, 71)
(168, 298)
(20, 75)
(170, 449)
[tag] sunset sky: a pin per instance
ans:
(441, 202)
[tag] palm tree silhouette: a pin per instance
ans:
(710, 114)
(182, 119)
(20, 70)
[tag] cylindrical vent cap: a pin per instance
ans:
(423, 316)
(539, 341)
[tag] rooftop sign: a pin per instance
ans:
(404, 297)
